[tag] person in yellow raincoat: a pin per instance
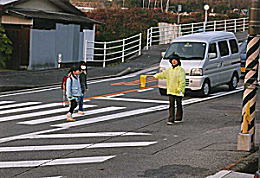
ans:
(175, 84)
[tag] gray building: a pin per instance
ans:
(42, 30)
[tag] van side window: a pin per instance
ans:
(213, 49)
(233, 46)
(223, 48)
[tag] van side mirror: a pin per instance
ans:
(162, 54)
(212, 55)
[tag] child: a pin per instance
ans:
(83, 84)
(73, 91)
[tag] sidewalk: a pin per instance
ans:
(30, 79)
(231, 174)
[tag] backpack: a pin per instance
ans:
(63, 83)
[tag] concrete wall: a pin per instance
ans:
(46, 45)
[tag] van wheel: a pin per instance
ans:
(233, 82)
(205, 90)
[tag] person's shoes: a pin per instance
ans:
(69, 118)
(81, 112)
(178, 121)
(169, 123)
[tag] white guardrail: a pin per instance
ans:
(113, 50)
(104, 52)
(165, 34)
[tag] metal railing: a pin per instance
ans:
(113, 50)
(165, 34)
(120, 50)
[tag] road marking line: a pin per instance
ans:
(148, 89)
(24, 136)
(19, 105)
(112, 116)
(134, 100)
(121, 92)
(115, 95)
(30, 108)
(65, 161)
(63, 117)
(82, 135)
(40, 113)
(135, 82)
(6, 102)
(29, 92)
(74, 146)
(215, 95)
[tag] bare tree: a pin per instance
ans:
(167, 5)
(155, 3)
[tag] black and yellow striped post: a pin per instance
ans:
(246, 137)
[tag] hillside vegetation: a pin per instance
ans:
(122, 23)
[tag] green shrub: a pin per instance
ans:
(123, 23)
(5, 48)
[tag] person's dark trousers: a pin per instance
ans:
(179, 113)
(81, 98)
(73, 105)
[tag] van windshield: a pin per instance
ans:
(186, 50)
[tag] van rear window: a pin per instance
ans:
(223, 48)
(233, 46)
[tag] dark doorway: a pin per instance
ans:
(20, 37)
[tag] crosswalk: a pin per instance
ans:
(54, 115)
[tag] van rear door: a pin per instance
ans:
(212, 64)
(225, 70)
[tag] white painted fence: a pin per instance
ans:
(165, 34)
(114, 50)
(105, 52)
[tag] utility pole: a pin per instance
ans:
(246, 137)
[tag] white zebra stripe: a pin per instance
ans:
(40, 113)
(19, 105)
(144, 90)
(115, 95)
(134, 100)
(65, 161)
(83, 135)
(112, 116)
(56, 118)
(75, 146)
(30, 108)
(6, 102)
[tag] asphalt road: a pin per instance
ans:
(123, 133)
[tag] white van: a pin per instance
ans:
(209, 59)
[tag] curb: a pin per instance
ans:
(21, 87)
(246, 164)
